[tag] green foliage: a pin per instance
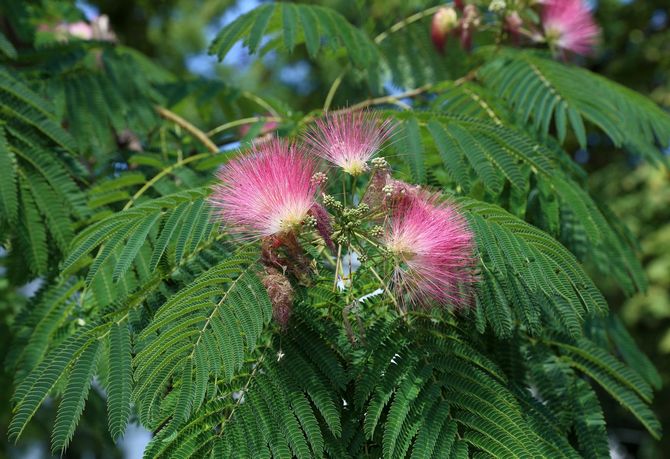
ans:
(541, 89)
(536, 277)
(145, 293)
(120, 379)
(39, 197)
(316, 26)
(200, 332)
(479, 154)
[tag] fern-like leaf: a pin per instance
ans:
(120, 376)
(74, 397)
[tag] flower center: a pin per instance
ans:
(553, 34)
(355, 167)
(401, 249)
(289, 223)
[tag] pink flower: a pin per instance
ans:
(444, 21)
(267, 192)
(469, 23)
(568, 25)
(81, 30)
(98, 29)
(513, 23)
(349, 139)
(433, 248)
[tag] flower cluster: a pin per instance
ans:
(277, 194)
(567, 26)
(459, 20)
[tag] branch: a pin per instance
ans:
(162, 174)
(197, 133)
(407, 21)
(391, 99)
(243, 121)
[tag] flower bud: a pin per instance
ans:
(319, 179)
(444, 22)
(309, 221)
(469, 23)
(513, 23)
(377, 231)
(379, 163)
(497, 6)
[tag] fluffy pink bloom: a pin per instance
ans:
(568, 25)
(349, 139)
(433, 247)
(267, 192)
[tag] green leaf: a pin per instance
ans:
(317, 24)
(9, 203)
(120, 377)
(412, 148)
(74, 398)
(6, 47)
(133, 246)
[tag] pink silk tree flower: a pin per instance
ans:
(569, 25)
(267, 192)
(434, 252)
(349, 140)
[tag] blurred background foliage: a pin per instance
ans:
(174, 35)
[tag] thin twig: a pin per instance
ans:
(407, 21)
(163, 173)
(260, 102)
(240, 122)
(390, 99)
(333, 90)
(337, 266)
(242, 392)
(385, 287)
(197, 133)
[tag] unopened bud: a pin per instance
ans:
(444, 21)
(497, 6)
(319, 179)
(469, 23)
(379, 163)
(330, 202)
(309, 221)
(377, 231)
(341, 239)
(513, 23)
(388, 190)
